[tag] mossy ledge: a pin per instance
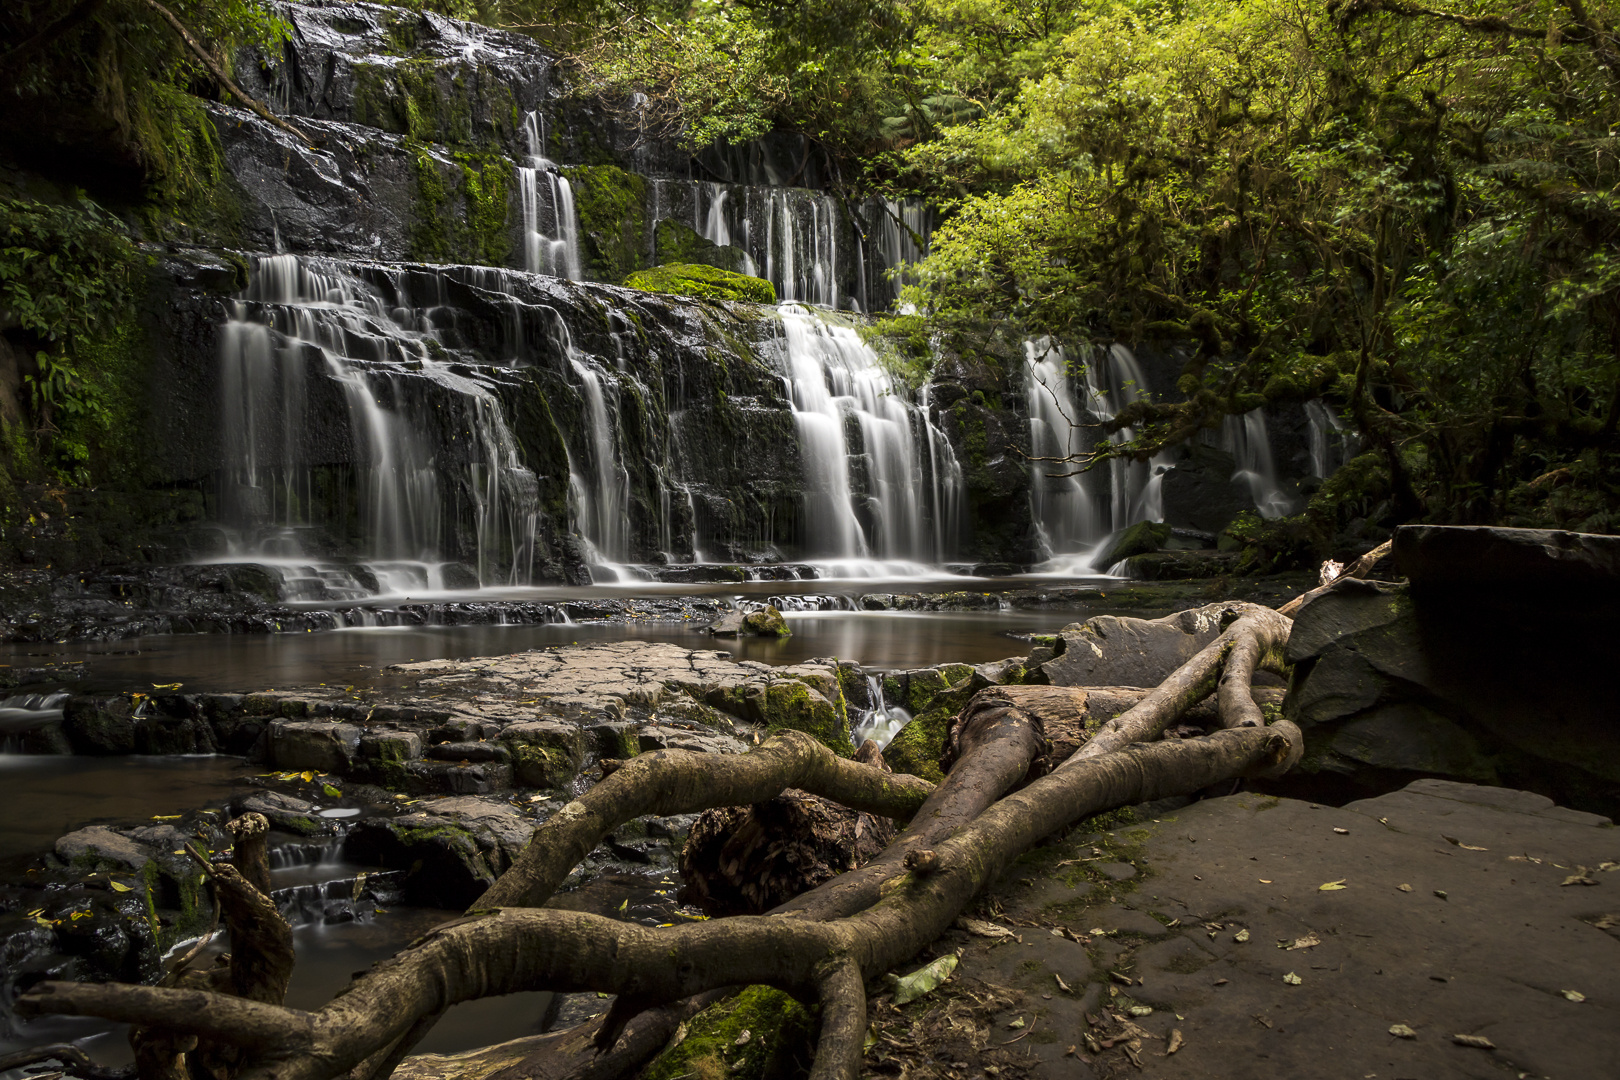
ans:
(703, 282)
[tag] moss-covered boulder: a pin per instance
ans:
(761, 1034)
(918, 747)
(677, 242)
(1143, 538)
(545, 753)
(703, 282)
(767, 622)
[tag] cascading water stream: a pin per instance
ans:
(1331, 441)
(302, 321)
(1066, 523)
(1070, 520)
(848, 412)
(880, 723)
(550, 225)
(1247, 440)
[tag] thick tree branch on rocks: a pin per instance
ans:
(224, 80)
(1256, 639)
(679, 782)
(822, 946)
(1358, 569)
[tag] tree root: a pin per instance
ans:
(821, 946)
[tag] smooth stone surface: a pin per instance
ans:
(1492, 958)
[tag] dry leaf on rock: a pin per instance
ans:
(1404, 888)
(1401, 1031)
(980, 928)
(1241, 936)
(1580, 877)
(1333, 886)
(1477, 1041)
(1292, 980)
(1458, 843)
(1573, 995)
(1176, 1041)
(1306, 942)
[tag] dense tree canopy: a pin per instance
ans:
(1407, 210)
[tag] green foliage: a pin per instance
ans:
(705, 282)
(611, 204)
(68, 277)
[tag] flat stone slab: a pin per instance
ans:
(1454, 918)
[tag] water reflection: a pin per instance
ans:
(48, 796)
(226, 662)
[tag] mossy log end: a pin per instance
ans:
(821, 946)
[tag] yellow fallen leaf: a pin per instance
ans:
(1404, 888)
(308, 777)
(1333, 886)
(166, 817)
(1241, 935)
(1478, 1041)
(167, 686)
(1265, 881)
(119, 886)
(1176, 1042)
(1401, 1031)
(1573, 995)
(1292, 980)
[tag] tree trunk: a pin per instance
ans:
(820, 946)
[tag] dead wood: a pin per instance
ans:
(1358, 569)
(821, 946)
(745, 860)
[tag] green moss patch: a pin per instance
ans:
(703, 282)
(761, 1034)
(611, 204)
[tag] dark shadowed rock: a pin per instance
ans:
(1199, 492)
(1490, 684)
(1560, 564)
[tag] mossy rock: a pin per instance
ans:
(610, 203)
(703, 282)
(1143, 538)
(677, 242)
(767, 622)
(918, 747)
(778, 1045)
(791, 704)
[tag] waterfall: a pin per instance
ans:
(301, 328)
(1332, 444)
(881, 723)
(870, 456)
(1069, 518)
(1246, 439)
(1114, 381)
(554, 252)
(902, 236)
(812, 247)
(602, 506)
(1065, 520)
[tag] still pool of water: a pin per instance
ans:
(47, 796)
(227, 662)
